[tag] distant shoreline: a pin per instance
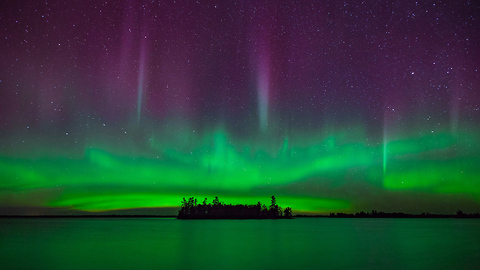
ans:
(406, 216)
(384, 216)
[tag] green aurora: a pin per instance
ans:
(440, 163)
(330, 106)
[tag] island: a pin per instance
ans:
(191, 209)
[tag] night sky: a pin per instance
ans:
(331, 106)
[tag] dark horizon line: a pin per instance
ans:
(331, 215)
(88, 216)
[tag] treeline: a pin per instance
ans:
(375, 214)
(191, 209)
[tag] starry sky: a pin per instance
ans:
(331, 106)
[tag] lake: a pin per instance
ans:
(301, 243)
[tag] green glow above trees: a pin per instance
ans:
(240, 172)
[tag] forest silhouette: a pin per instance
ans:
(191, 209)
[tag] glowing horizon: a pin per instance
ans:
(216, 166)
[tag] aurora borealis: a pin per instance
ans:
(331, 106)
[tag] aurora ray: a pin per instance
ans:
(141, 77)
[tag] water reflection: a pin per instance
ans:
(239, 244)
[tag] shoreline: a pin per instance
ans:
(388, 216)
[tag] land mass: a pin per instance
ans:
(375, 214)
(191, 209)
(333, 215)
(257, 211)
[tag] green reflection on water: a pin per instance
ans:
(239, 244)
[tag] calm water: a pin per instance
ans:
(239, 244)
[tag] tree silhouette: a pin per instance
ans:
(274, 210)
(274, 201)
(288, 212)
(216, 201)
(190, 209)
